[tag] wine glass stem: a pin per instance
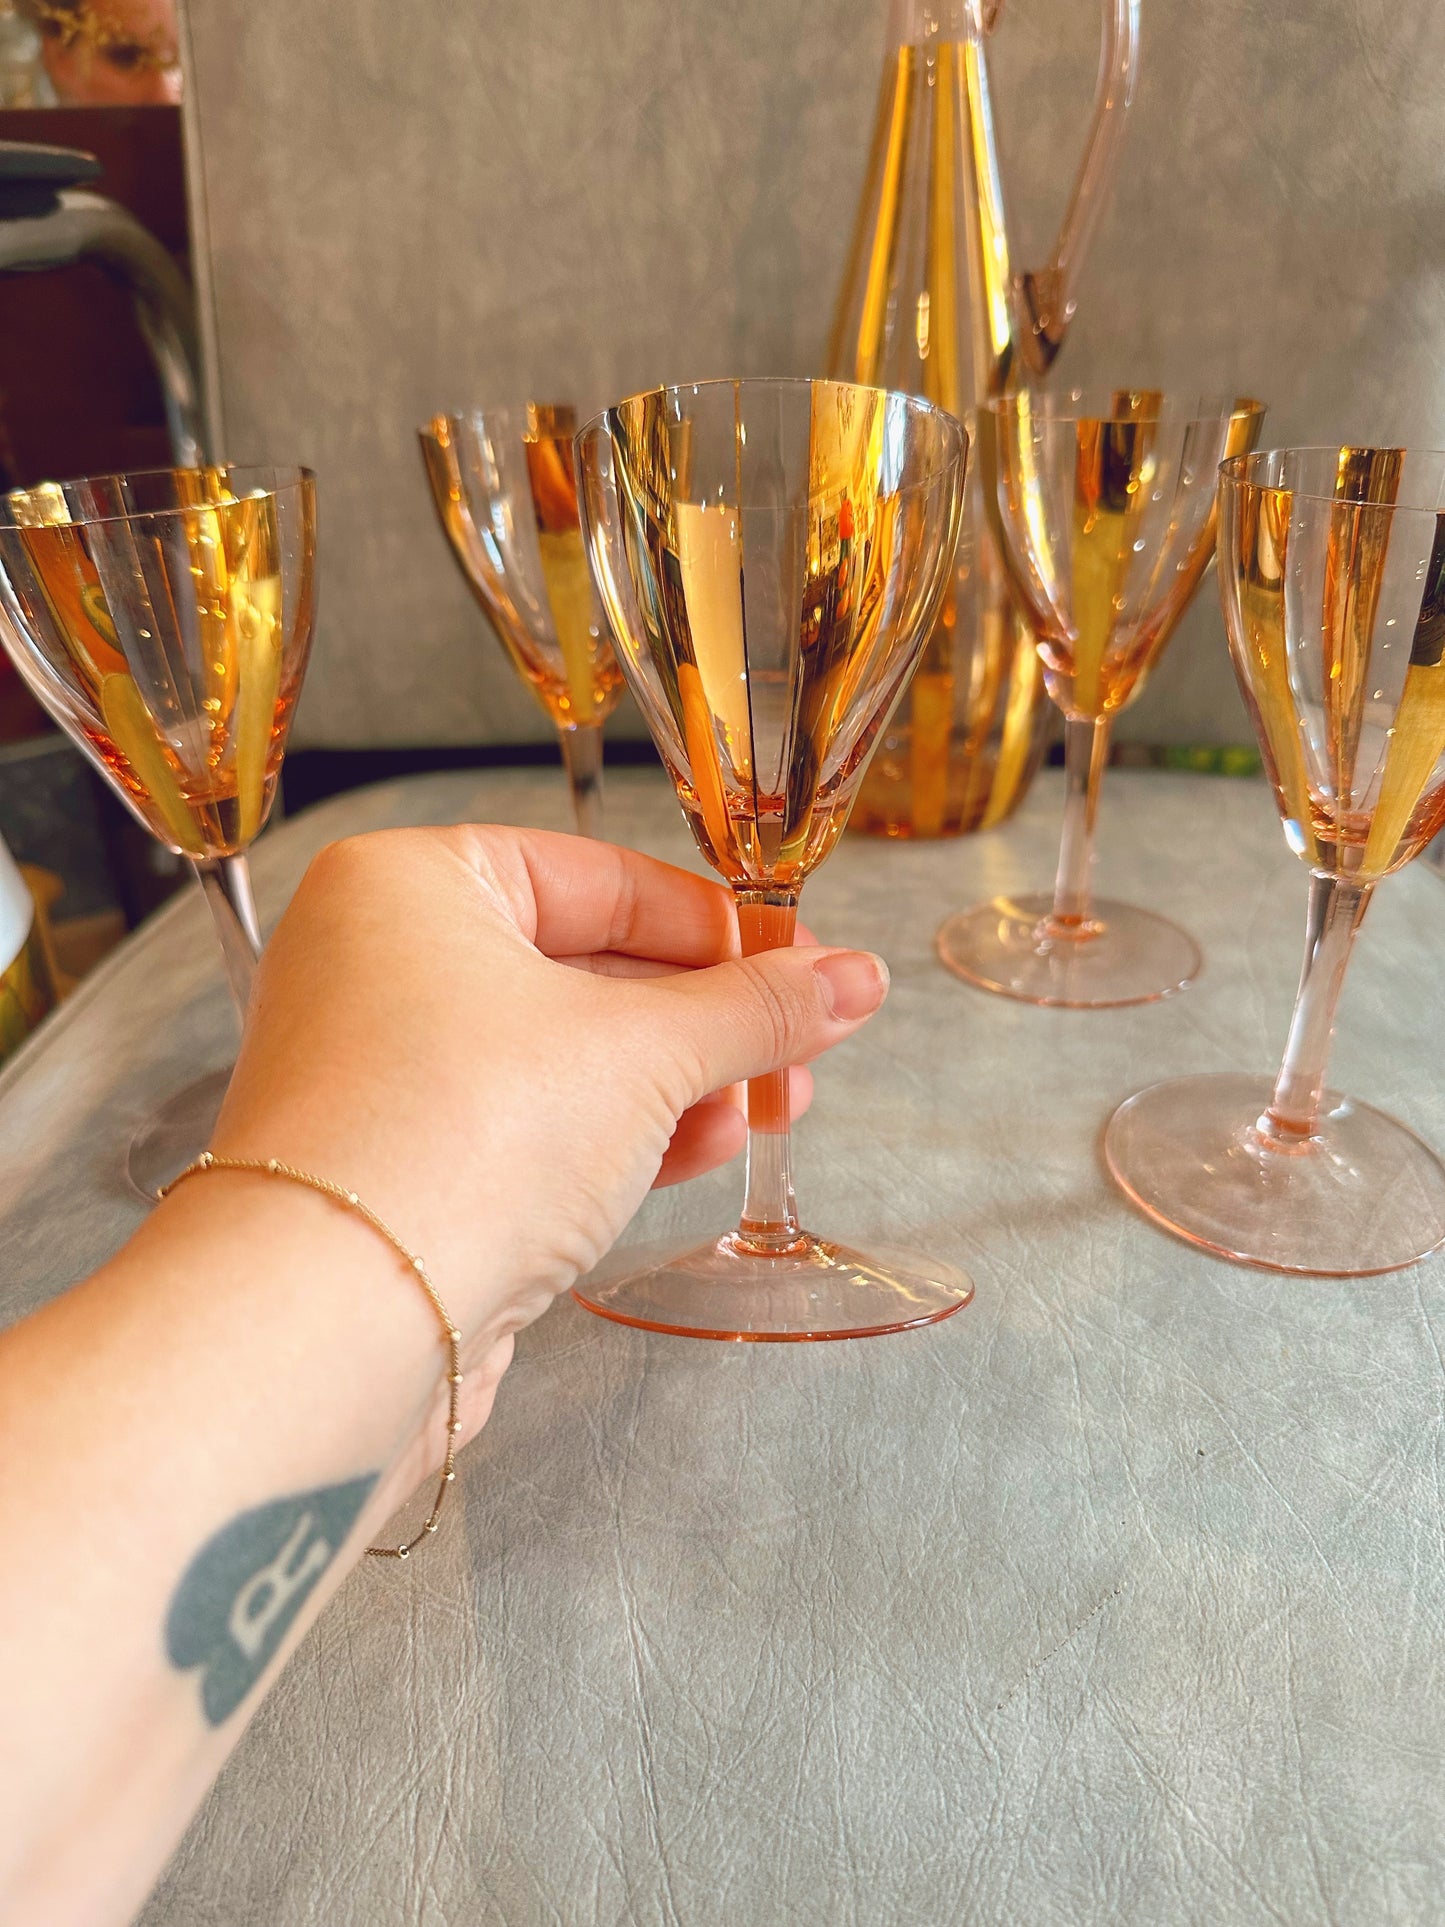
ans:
(226, 882)
(582, 759)
(769, 1224)
(1086, 751)
(1336, 909)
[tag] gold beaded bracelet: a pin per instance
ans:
(451, 1337)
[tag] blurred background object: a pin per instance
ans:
(95, 310)
(105, 53)
(23, 79)
(92, 217)
(27, 964)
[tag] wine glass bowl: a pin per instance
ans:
(1107, 505)
(164, 619)
(1332, 574)
(1349, 707)
(505, 490)
(770, 556)
(1105, 510)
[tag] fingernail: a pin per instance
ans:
(855, 982)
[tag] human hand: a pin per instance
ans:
(501, 1038)
(498, 1039)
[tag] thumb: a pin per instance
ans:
(738, 1020)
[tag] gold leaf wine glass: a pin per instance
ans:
(164, 618)
(1332, 572)
(771, 556)
(506, 491)
(1106, 515)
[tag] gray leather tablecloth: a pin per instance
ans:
(1117, 1597)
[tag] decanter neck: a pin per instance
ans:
(914, 23)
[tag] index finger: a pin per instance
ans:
(574, 897)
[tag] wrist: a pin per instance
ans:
(406, 1187)
(362, 1283)
(275, 1281)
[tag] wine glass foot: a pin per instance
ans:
(1362, 1195)
(821, 1290)
(174, 1135)
(1126, 956)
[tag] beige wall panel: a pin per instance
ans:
(420, 202)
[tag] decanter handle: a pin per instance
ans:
(1044, 300)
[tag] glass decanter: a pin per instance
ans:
(931, 304)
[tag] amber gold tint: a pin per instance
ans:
(166, 619)
(506, 492)
(934, 302)
(771, 556)
(1107, 504)
(505, 488)
(1335, 605)
(930, 268)
(1105, 510)
(1332, 574)
(967, 740)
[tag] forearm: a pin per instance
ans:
(198, 1443)
(186, 1438)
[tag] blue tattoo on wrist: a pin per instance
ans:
(246, 1585)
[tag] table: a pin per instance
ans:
(1116, 1598)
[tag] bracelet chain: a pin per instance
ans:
(451, 1337)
